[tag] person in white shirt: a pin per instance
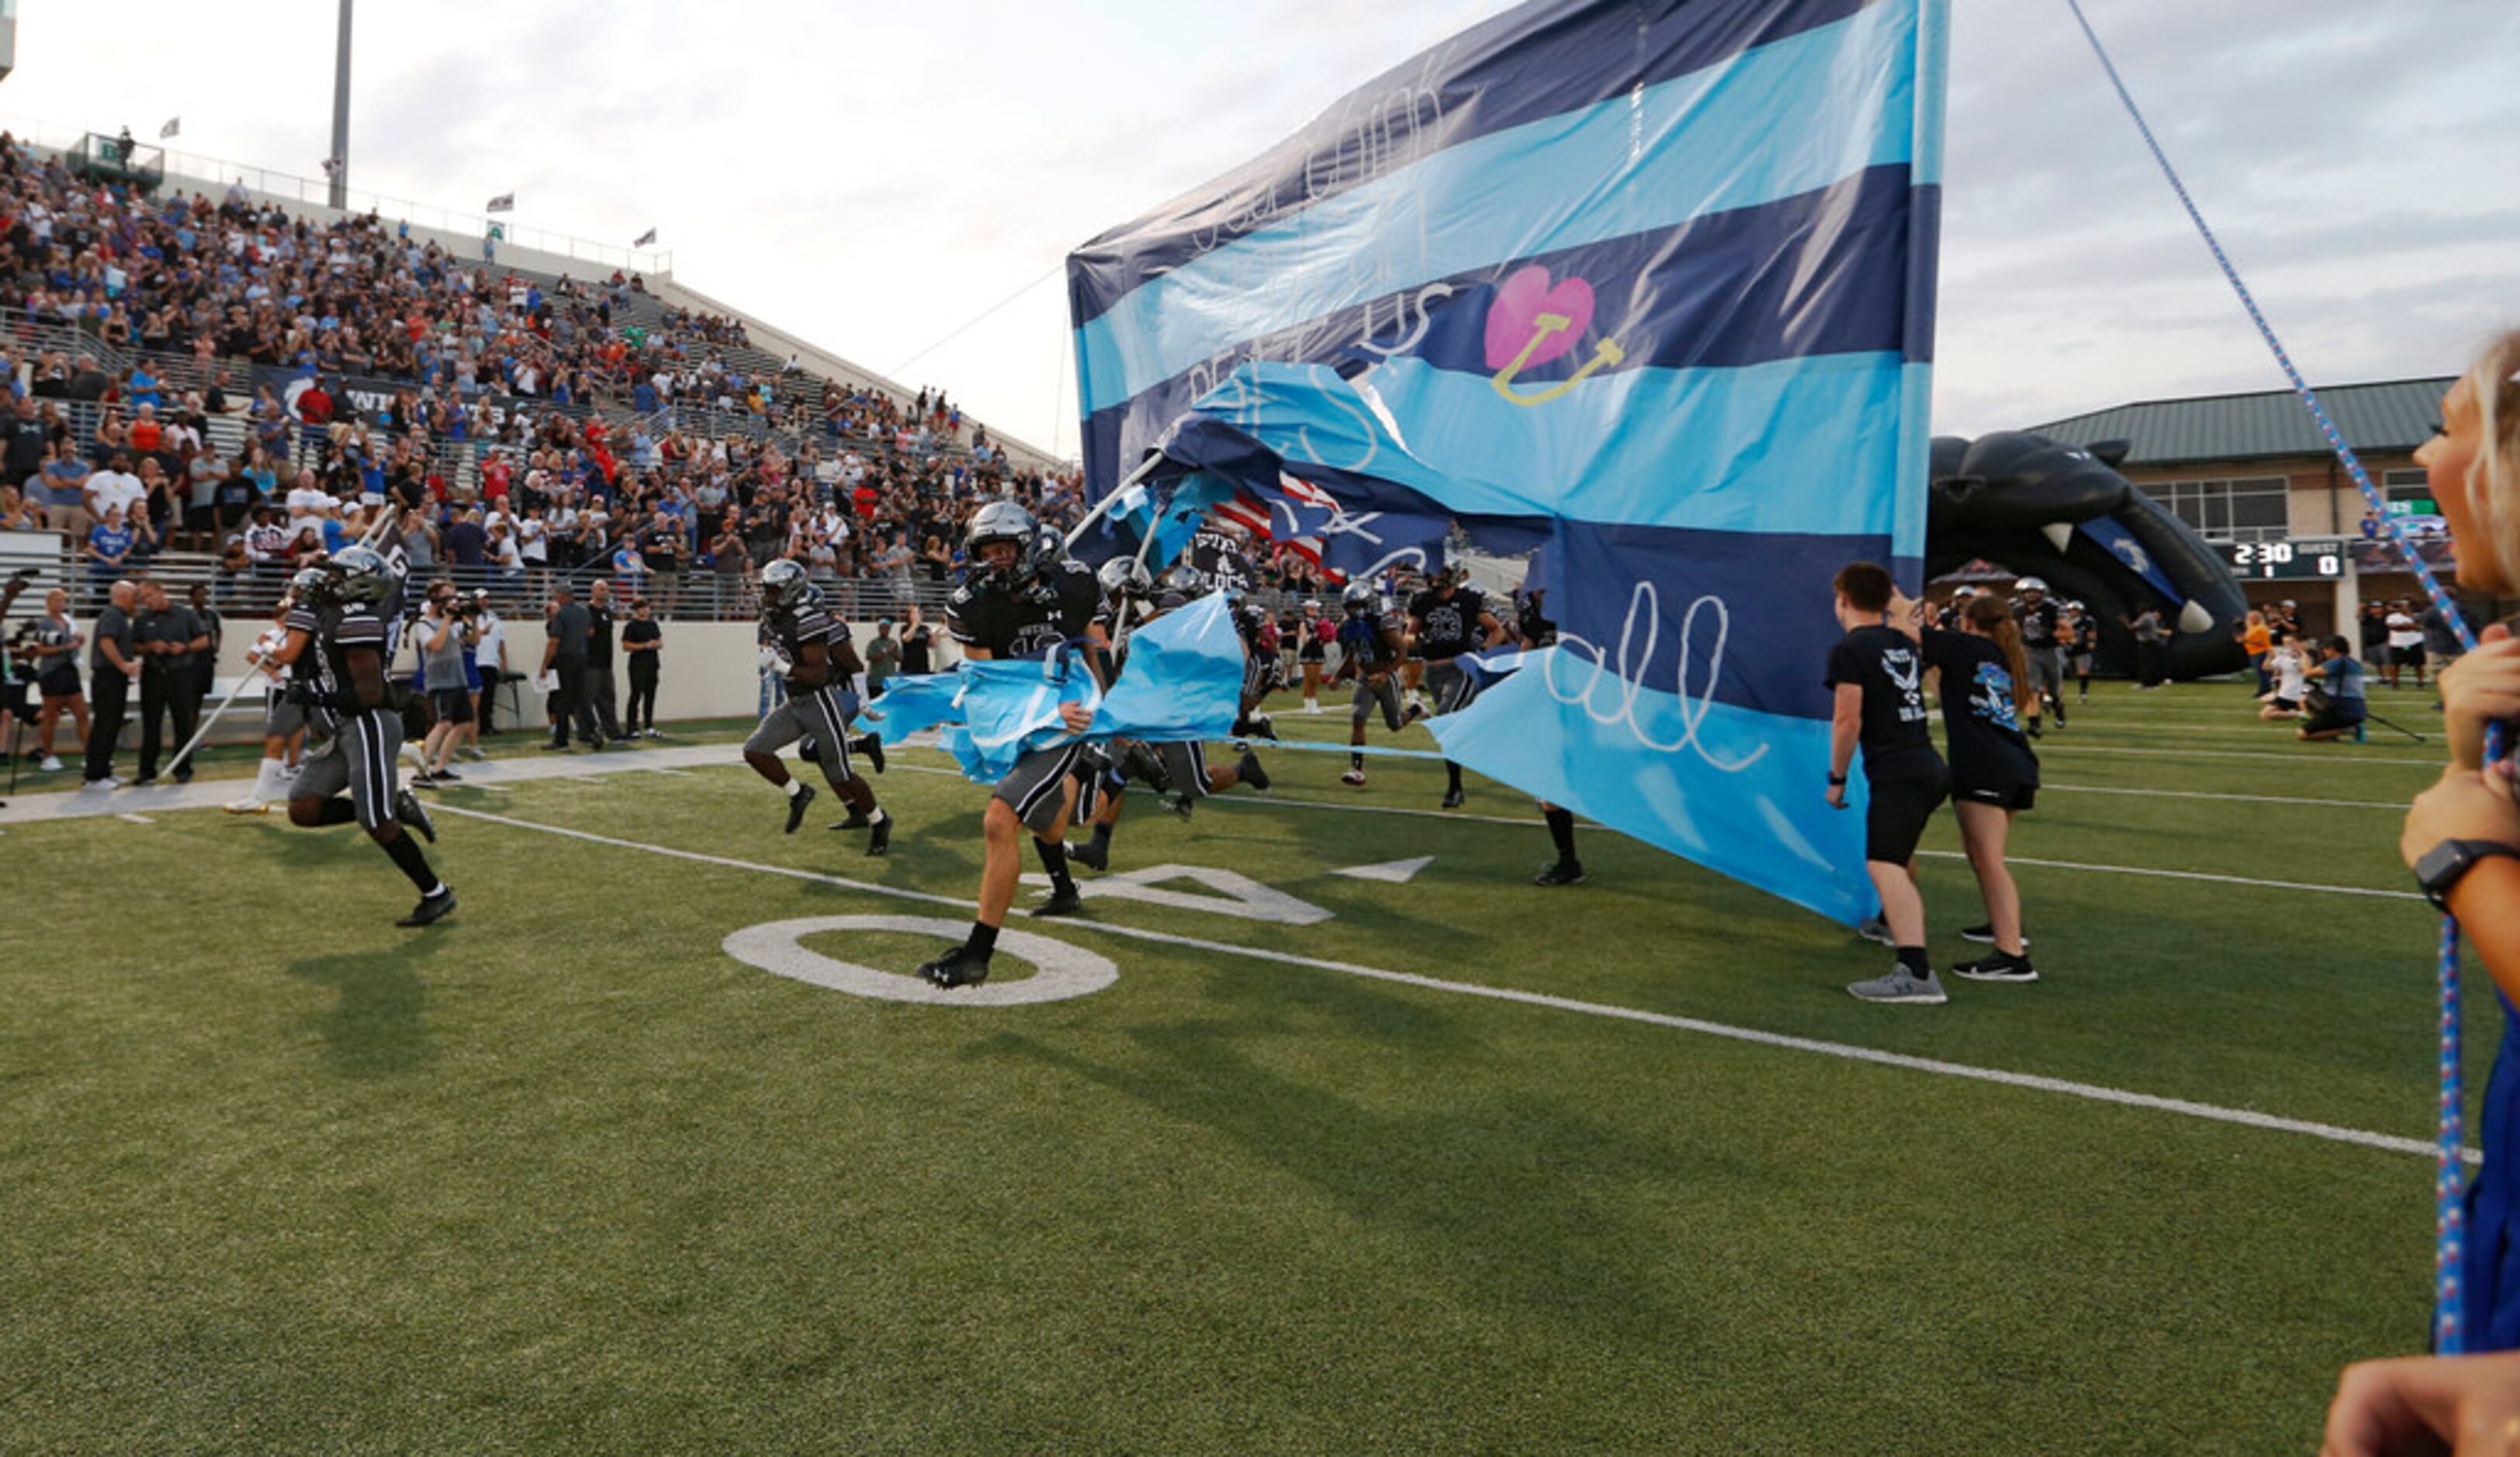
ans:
(2284, 665)
(2406, 643)
(115, 487)
(309, 505)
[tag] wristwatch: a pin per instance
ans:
(2441, 867)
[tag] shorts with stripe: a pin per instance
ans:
(824, 716)
(1370, 693)
(1187, 766)
(1451, 686)
(1033, 788)
(361, 760)
(280, 716)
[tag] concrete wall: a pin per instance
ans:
(711, 670)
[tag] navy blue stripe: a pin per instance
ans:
(1798, 277)
(1536, 61)
(1775, 590)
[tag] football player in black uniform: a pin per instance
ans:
(339, 613)
(1442, 620)
(2038, 617)
(821, 659)
(1370, 651)
(1022, 597)
(1532, 626)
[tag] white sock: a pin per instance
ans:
(795, 787)
(266, 781)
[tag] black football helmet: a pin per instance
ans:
(359, 576)
(785, 587)
(1125, 577)
(1037, 546)
(1360, 599)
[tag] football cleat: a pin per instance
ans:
(1563, 873)
(1354, 777)
(855, 821)
(796, 804)
(1247, 770)
(1092, 855)
(960, 967)
(1453, 798)
(1064, 901)
(880, 841)
(431, 908)
(407, 809)
(872, 747)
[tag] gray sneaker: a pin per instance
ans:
(1877, 932)
(1901, 985)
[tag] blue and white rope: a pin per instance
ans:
(2450, 1334)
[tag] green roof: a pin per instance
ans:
(2394, 415)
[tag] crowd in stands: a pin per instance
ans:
(585, 427)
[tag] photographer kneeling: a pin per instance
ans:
(2335, 702)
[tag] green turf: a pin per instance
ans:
(563, 1174)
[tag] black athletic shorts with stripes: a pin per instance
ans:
(361, 760)
(1033, 787)
(823, 715)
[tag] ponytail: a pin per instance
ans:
(1993, 617)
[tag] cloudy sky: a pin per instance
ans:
(875, 178)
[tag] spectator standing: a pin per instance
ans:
(601, 690)
(2147, 626)
(2440, 643)
(565, 652)
(109, 547)
(206, 662)
(2406, 643)
(883, 657)
(55, 646)
(446, 637)
(114, 662)
(1878, 674)
(916, 645)
(643, 644)
(168, 635)
(489, 671)
(1988, 690)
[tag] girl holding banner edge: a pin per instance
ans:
(2462, 839)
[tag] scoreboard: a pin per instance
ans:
(2284, 560)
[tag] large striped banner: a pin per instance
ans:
(1649, 283)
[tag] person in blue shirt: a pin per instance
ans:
(2341, 676)
(108, 545)
(143, 389)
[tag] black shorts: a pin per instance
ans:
(60, 682)
(15, 697)
(2000, 795)
(2340, 713)
(1901, 806)
(2408, 657)
(450, 706)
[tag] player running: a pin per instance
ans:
(1370, 651)
(1023, 598)
(340, 613)
(1441, 620)
(818, 706)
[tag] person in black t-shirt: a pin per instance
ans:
(1448, 619)
(1984, 690)
(1022, 597)
(1877, 673)
(643, 641)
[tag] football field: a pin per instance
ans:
(1297, 1145)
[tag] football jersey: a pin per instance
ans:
(1448, 626)
(327, 668)
(1031, 621)
(1365, 643)
(792, 631)
(2038, 622)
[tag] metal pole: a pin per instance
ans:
(1111, 496)
(341, 114)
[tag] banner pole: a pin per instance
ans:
(1103, 507)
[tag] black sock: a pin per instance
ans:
(1054, 858)
(1101, 837)
(983, 941)
(1454, 771)
(404, 852)
(1561, 828)
(337, 811)
(1913, 959)
(1356, 761)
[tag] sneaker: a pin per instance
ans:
(108, 782)
(431, 908)
(880, 843)
(50, 765)
(1183, 804)
(656, 733)
(1453, 798)
(1091, 855)
(1877, 932)
(143, 781)
(1984, 936)
(444, 775)
(2031, 728)
(959, 967)
(246, 805)
(475, 754)
(796, 803)
(1247, 770)
(407, 809)
(853, 822)
(556, 745)
(872, 747)
(1564, 873)
(1996, 967)
(1064, 901)
(1901, 985)
(1354, 778)
(1262, 726)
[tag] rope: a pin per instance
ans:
(2450, 1335)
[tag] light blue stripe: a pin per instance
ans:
(1933, 83)
(1745, 796)
(1802, 445)
(1785, 118)
(1915, 461)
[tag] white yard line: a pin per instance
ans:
(137, 819)
(2245, 1117)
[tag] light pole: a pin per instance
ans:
(341, 114)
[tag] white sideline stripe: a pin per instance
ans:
(137, 819)
(2095, 789)
(676, 773)
(2245, 1117)
(2344, 755)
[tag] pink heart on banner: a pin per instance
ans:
(1514, 318)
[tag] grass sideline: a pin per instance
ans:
(563, 1173)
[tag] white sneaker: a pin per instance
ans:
(50, 765)
(477, 756)
(1353, 776)
(108, 782)
(246, 805)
